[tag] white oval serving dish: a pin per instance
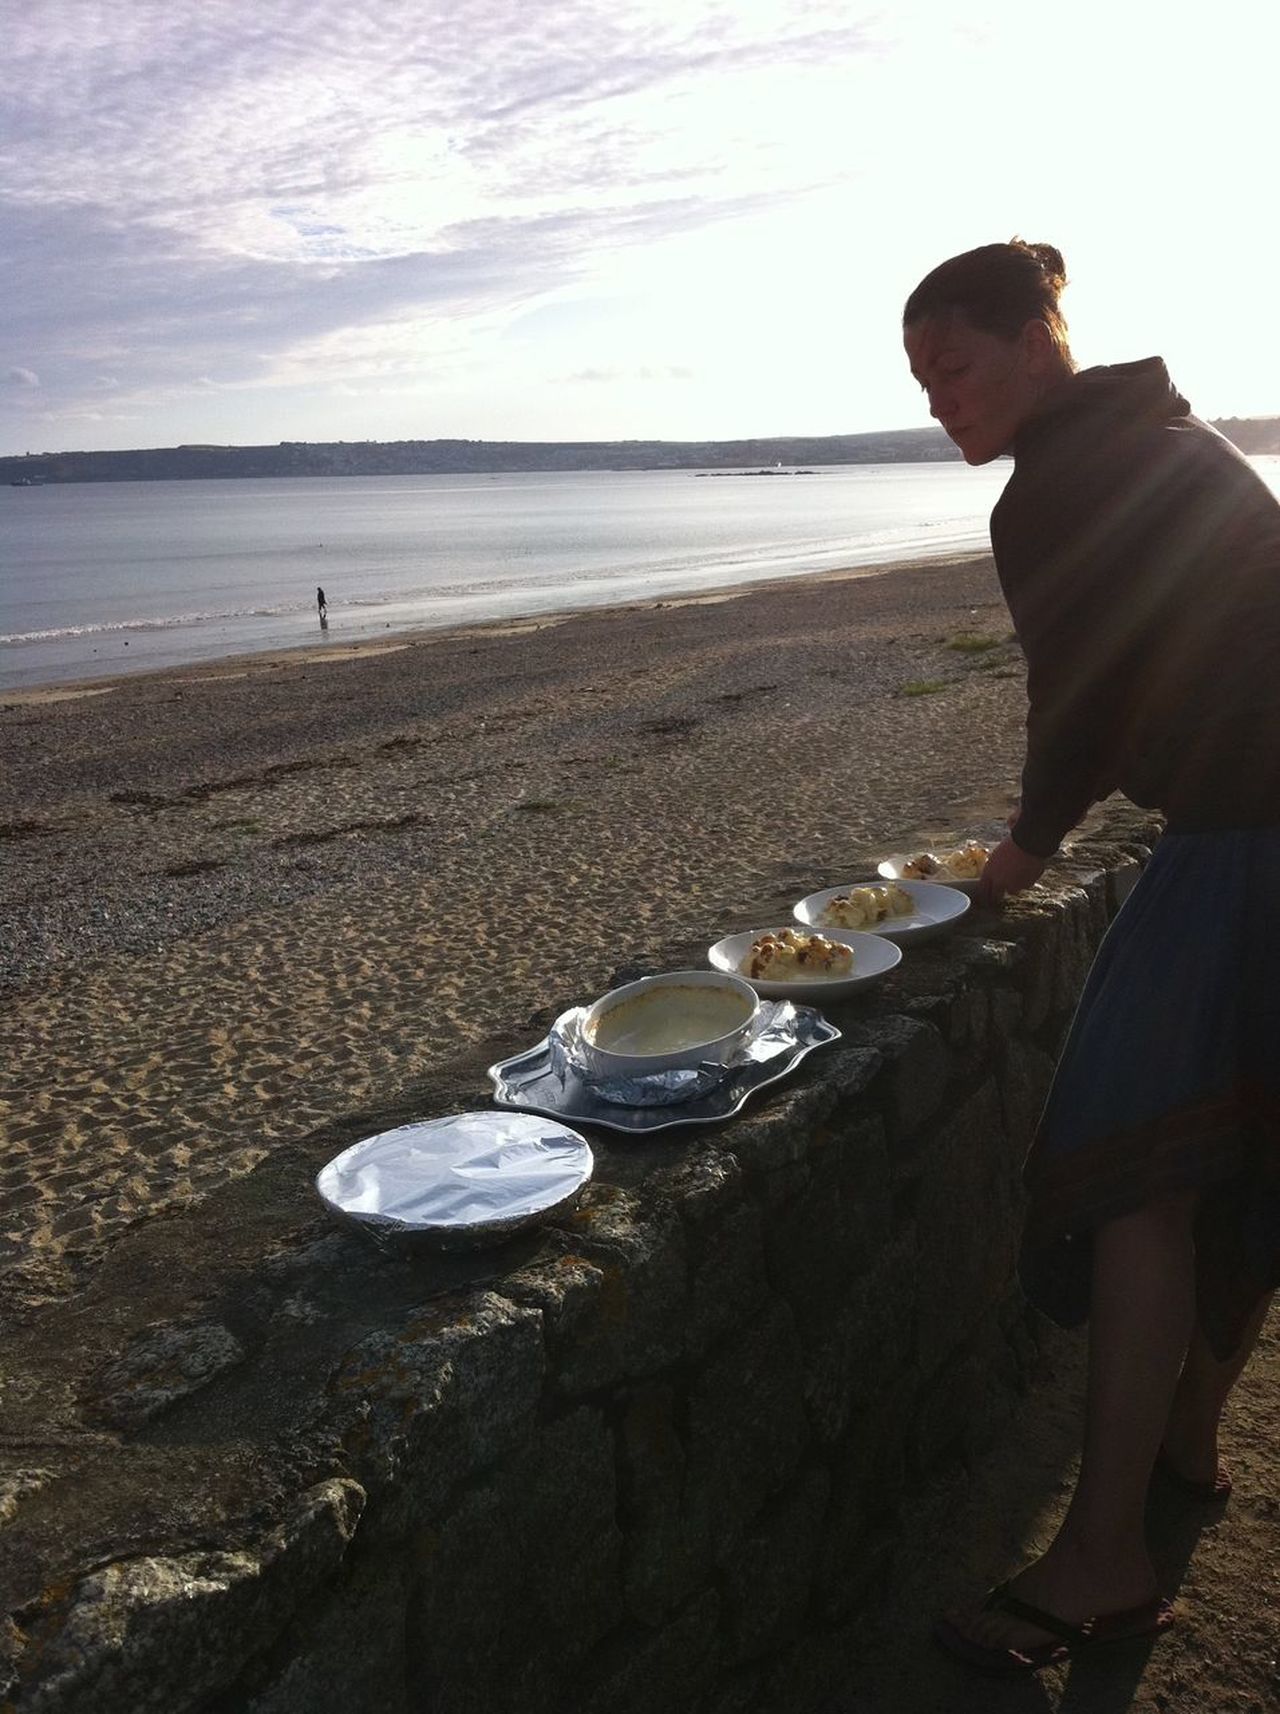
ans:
(668, 1022)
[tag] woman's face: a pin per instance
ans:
(981, 388)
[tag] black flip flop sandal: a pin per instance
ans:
(1145, 1620)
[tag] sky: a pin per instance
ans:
(235, 222)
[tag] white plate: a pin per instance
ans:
(873, 957)
(936, 908)
(891, 870)
(465, 1180)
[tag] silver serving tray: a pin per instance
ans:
(527, 1081)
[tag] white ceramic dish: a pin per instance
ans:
(892, 867)
(936, 909)
(667, 1022)
(873, 957)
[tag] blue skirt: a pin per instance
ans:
(1170, 1080)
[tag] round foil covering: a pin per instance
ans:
(457, 1183)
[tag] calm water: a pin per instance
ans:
(99, 578)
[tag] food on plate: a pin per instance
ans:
(920, 867)
(787, 955)
(966, 863)
(864, 907)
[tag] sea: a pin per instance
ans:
(97, 579)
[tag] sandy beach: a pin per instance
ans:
(241, 902)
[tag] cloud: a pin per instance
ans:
(22, 377)
(646, 372)
(206, 193)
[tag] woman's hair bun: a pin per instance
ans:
(1050, 259)
(998, 288)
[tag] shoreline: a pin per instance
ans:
(325, 649)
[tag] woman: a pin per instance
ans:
(1140, 557)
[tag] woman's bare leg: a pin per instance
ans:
(1141, 1319)
(1191, 1433)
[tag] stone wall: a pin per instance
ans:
(648, 1460)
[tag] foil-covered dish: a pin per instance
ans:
(556, 1076)
(457, 1183)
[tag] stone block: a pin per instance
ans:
(1122, 878)
(1081, 930)
(1008, 1012)
(1024, 1077)
(160, 1635)
(868, 1482)
(436, 1400)
(520, 1581)
(728, 1283)
(724, 1245)
(768, 1577)
(802, 1112)
(780, 1185)
(347, 1654)
(640, 1252)
(161, 1365)
(1033, 917)
(1061, 934)
(969, 1398)
(812, 1675)
(944, 1413)
(747, 1429)
(702, 1187)
(861, 1581)
(735, 1692)
(671, 1669)
(985, 957)
(966, 1190)
(667, 1548)
(967, 1023)
(581, 1327)
(917, 1066)
(834, 1226)
(862, 1343)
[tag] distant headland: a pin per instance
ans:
(493, 457)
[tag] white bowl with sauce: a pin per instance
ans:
(669, 1022)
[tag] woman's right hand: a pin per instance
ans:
(1009, 869)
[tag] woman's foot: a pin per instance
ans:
(1066, 1583)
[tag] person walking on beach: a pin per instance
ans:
(1139, 554)
(322, 606)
